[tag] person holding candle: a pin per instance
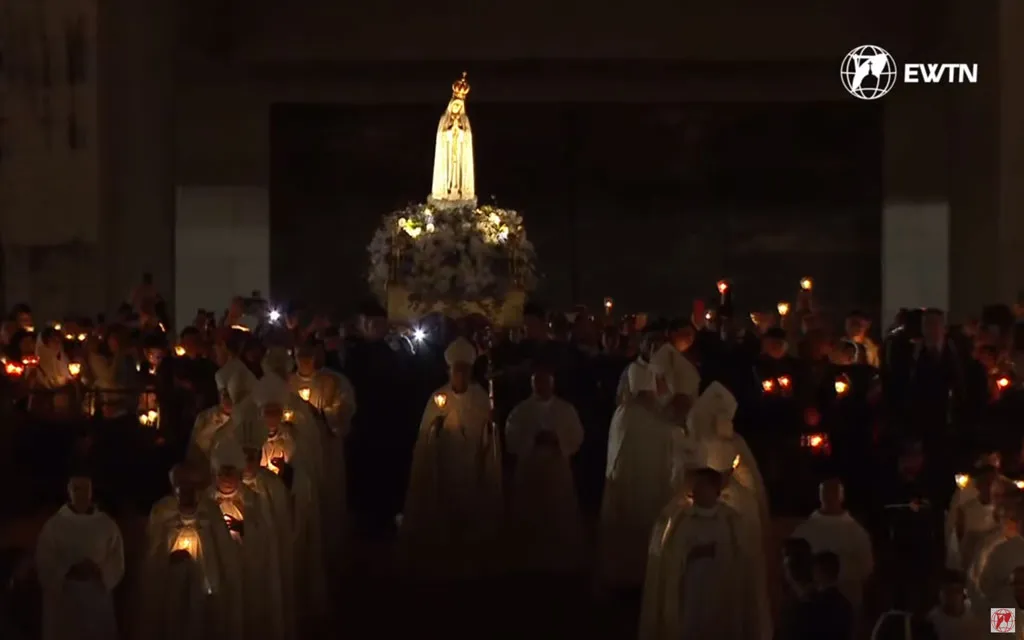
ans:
(453, 505)
(191, 578)
(79, 560)
(251, 525)
(332, 399)
(232, 370)
(211, 420)
(543, 432)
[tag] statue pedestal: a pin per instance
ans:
(446, 203)
(505, 313)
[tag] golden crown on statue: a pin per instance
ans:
(460, 88)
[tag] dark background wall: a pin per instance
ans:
(650, 204)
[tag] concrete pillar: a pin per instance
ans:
(137, 64)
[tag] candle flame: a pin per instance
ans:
(1019, 484)
(305, 393)
(608, 303)
(15, 369)
(1002, 383)
(288, 415)
(842, 387)
(768, 386)
(815, 440)
(440, 400)
(806, 284)
(723, 286)
(74, 368)
(57, 326)
(82, 337)
(179, 350)
(961, 480)
(784, 382)
(783, 308)
(736, 462)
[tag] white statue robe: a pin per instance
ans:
(638, 484)
(275, 500)
(199, 600)
(845, 537)
(204, 431)
(262, 598)
(454, 177)
(973, 522)
(333, 399)
(687, 597)
(545, 526)
(994, 585)
(79, 609)
(453, 505)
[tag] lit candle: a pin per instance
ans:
(842, 386)
(305, 393)
(69, 336)
(15, 369)
(288, 415)
(768, 386)
(783, 308)
(1019, 484)
(1002, 383)
(806, 284)
(179, 351)
(784, 382)
(57, 326)
(608, 304)
(815, 440)
(187, 540)
(82, 337)
(961, 480)
(736, 461)
(30, 361)
(440, 400)
(74, 368)
(723, 286)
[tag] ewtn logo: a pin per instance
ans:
(869, 72)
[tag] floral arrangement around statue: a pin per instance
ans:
(452, 255)
(449, 254)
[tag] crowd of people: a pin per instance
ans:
(655, 457)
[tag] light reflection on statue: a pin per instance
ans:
(453, 151)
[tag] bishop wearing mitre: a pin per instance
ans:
(79, 560)
(332, 400)
(543, 432)
(232, 389)
(639, 480)
(191, 574)
(453, 504)
(251, 525)
(286, 453)
(697, 570)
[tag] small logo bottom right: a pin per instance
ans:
(1003, 620)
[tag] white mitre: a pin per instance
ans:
(663, 363)
(270, 390)
(227, 452)
(712, 413)
(278, 361)
(460, 351)
(235, 378)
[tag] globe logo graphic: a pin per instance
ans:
(868, 72)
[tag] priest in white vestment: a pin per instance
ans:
(451, 523)
(995, 587)
(952, 619)
(722, 456)
(79, 560)
(332, 400)
(234, 376)
(209, 422)
(251, 525)
(698, 578)
(192, 573)
(681, 376)
(832, 528)
(275, 499)
(624, 391)
(639, 476)
(974, 518)
(543, 432)
(711, 418)
(284, 453)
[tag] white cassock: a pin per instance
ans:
(721, 456)
(844, 536)
(262, 597)
(199, 599)
(544, 521)
(453, 506)
(639, 482)
(994, 584)
(965, 627)
(680, 374)
(333, 400)
(687, 597)
(973, 522)
(624, 391)
(79, 609)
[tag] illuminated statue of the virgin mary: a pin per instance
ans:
(454, 183)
